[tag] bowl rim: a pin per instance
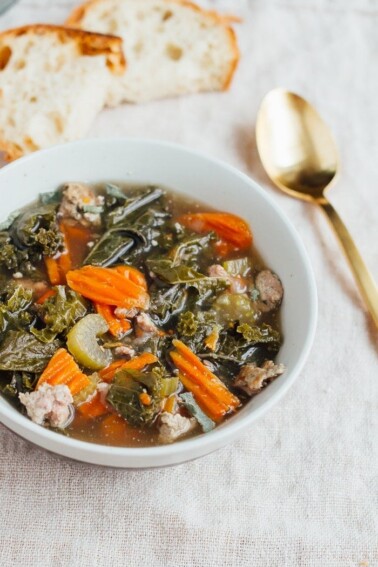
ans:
(52, 441)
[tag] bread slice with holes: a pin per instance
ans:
(172, 47)
(53, 82)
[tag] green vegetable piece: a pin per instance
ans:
(19, 382)
(13, 258)
(133, 204)
(14, 308)
(189, 248)
(37, 229)
(82, 342)
(94, 209)
(238, 267)
(182, 274)
(168, 386)
(187, 324)
(165, 303)
(128, 385)
(9, 221)
(83, 395)
(60, 313)
(193, 408)
(21, 351)
(114, 191)
(113, 245)
(51, 197)
(231, 307)
(255, 334)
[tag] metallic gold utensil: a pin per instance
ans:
(299, 155)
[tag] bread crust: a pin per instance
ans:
(78, 14)
(89, 43)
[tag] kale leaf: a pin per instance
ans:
(127, 387)
(166, 303)
(21, 351)
(131, 204)
(37, 230)
(14, 308)
(60, 313)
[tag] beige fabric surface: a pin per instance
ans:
(300, 487)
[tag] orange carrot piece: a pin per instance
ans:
(145, 399)
(170, 404)
(232, 229)
(117, 327)
(210, 386)
(137, 363)
(78, 383)
(211, 407)
(53, 271)
(132, 274)
(114, 428)
(49, 293)
(75, 232)
(94, 408)
(107, 286)
(62, 369)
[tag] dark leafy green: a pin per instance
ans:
(14, 308)
(21, 351)
(19, 382)
(207, 287)
(113, 245)
(37, 230)
(9, 221)
(126, 388)
(166, 303)
(259, 335)
(132, 204)
(51, 197)
(59, 313)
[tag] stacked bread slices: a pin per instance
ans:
(54, 80)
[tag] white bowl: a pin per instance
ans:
(212, 182)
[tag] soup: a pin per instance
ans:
(133, 316)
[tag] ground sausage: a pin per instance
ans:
(252, 378)
(270, 290)
(51, 404)
(75, 196)
(174, 426)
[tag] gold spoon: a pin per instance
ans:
(300, 157)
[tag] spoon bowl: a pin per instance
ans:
(296, 147)
(299, 155)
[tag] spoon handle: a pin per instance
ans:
(361, 272)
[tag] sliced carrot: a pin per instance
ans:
(170, 404)
(53, 271)
(132, 274)
(114, 428)
(62, 369)
(49, 293)
(231, 229)
(107, 286)
(137, 363)
(145, 399)
(205, 386)
(94, 408)
(117, 327)
(75, 232)
(211, 407)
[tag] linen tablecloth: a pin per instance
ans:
(300, 487)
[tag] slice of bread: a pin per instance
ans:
(53, 82)
(172, 47)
